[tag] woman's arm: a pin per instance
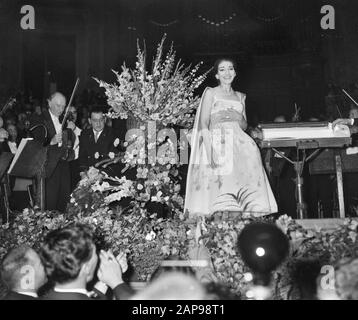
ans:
(204, 122)
(243, 121)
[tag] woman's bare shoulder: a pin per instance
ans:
(240, 94)
(209, 92)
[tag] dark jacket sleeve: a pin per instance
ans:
(82, 156)
(123, 292)
(355, 122)
(39, 133)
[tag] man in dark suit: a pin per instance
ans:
(23, 273)
(57, 169)
(97, 142)
(70, 259)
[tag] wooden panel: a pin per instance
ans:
(322, 224)
(324, 163)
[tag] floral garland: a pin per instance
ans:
(148, 240)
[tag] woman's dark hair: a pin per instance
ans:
(65, 250)
(218, 61)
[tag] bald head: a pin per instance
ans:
(57, 103)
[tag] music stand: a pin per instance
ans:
(29, 162)
(5, 160)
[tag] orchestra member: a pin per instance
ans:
(97, 142)
(57, 169)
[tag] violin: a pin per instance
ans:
(68, 136)
(7, 105)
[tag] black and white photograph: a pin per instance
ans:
(202, 150)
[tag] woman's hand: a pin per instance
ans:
(243, 123)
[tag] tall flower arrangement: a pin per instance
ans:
(160, 99)
(165, 94)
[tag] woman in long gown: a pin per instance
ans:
(225, 169)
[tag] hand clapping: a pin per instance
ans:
(110, 271)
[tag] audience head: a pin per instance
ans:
(346, 279)
(353, 112)
(38, 110)
(11, 120)
(12, 130)
(97, 119)
(73, 111)
(173, 286)
(69, 254)
(57, 103)
(305, 276)
(280, 119)
(3, 134)
(22, 270)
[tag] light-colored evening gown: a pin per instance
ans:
(239, 182)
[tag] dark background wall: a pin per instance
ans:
(284, 57)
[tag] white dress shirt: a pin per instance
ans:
(56, 122)
(98, 133)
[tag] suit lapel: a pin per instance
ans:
(49, 124)
(91, 137)
(102, 135)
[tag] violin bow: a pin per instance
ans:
(7, 105)
(68, 106)
(69, 102)
(346, 93)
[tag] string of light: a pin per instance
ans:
(217, 23)
(164, 25)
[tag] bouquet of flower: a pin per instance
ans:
(158, 99)
(165, 94)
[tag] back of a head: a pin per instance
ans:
(280, 119)
(172, 286)
(346, 279)
(12, 266)
(65, 250)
